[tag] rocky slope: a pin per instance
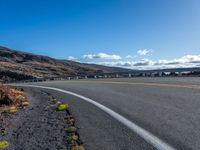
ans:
(18, 65)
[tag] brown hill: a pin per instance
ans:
(18, 65)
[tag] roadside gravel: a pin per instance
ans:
(38, 127)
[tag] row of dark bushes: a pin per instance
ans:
(9, 76)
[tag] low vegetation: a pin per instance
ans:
(10, 100)
(11, 96)
(73, 140)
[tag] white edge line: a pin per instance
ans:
(146, 135)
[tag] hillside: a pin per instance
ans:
(18, 65)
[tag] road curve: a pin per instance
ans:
(166, 107)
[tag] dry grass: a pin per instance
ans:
(10, 100)
(10, 96)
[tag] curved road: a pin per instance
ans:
(169, 108)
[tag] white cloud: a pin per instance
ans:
(71, 58)
(185, 61)
(102, 56)
(144, 52)
(129, 56)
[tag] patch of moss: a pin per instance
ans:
(77, 147)
(62, 107)
(71, 129)
(72, 138)
(4, 144)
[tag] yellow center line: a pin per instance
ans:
(191, 86)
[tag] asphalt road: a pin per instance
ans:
(169, 108)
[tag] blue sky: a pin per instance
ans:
(126, 33)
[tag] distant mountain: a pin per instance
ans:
(192, 69)
(18, 65)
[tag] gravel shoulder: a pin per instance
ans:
(37, 127)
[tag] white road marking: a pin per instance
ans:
(146, 135)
